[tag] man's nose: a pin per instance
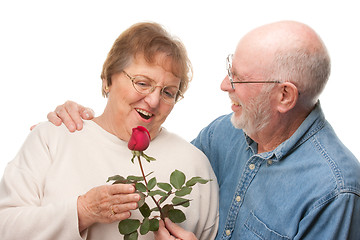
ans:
(226, 84)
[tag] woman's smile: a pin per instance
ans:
(146, 115)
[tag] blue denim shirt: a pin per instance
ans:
(307, 188)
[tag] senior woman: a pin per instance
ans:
(55, 187)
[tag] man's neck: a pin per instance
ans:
(278, 131)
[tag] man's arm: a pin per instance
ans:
(71, 114)
(337, 218)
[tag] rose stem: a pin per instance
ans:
(157, 204)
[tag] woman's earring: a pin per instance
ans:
(106, 90)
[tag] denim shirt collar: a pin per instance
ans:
(311, 125)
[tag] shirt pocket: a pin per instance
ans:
(254, 229)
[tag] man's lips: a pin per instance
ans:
(235, 106)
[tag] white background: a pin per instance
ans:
(51, 51)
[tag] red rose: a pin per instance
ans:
(140, 139)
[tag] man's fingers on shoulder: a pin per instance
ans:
(88, 114)
(62, 115)
(53, 118)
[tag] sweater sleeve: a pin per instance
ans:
(22, 211)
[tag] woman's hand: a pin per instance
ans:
(71, 114)
(171, 231)
(106, 204)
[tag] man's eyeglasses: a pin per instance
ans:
(230, 74)
(144, 85)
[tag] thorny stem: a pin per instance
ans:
(156, 202)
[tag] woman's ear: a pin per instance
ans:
(288, 97)
(105, 88)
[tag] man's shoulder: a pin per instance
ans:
(340, 162)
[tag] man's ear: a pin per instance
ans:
(288, 97)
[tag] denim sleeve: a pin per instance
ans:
(337, 218)
(203, 141)
(206, 143)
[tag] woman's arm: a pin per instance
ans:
(106, 204)
(27, 211)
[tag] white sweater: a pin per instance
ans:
(40, 187)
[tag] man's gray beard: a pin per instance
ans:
(255, 115)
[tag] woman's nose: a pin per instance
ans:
(154, 98)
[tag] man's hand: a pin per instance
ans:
(71, 114)
(171, 231)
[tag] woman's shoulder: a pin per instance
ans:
(172, 139)
(49, 130)
(171, 142)
(44, 127)
(47, 126)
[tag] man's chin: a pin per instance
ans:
(241, 124)
(237, 122)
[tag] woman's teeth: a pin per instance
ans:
(144, 114)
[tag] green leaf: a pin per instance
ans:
(162, 199)
(140, 187)
(154, 224)
(165, 186)
(157, 192)
(128, 226)
(176, 215)
(151, 183)
(142, 199)
(177, 179)
(116, 178)
(183, 191)
(155, 209)
(122, 181)
(135, 178)
(145, 226)
(131, 236)
(165, 209)
(196, 180)
(180, 201)
(145, 210)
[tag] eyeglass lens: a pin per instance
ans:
(146, 86)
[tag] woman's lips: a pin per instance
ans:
(144, 114)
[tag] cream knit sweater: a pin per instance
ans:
(39, 189)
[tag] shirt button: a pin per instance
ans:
(238, 198)
(269, 162)
(227, 232)
(252, 166)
